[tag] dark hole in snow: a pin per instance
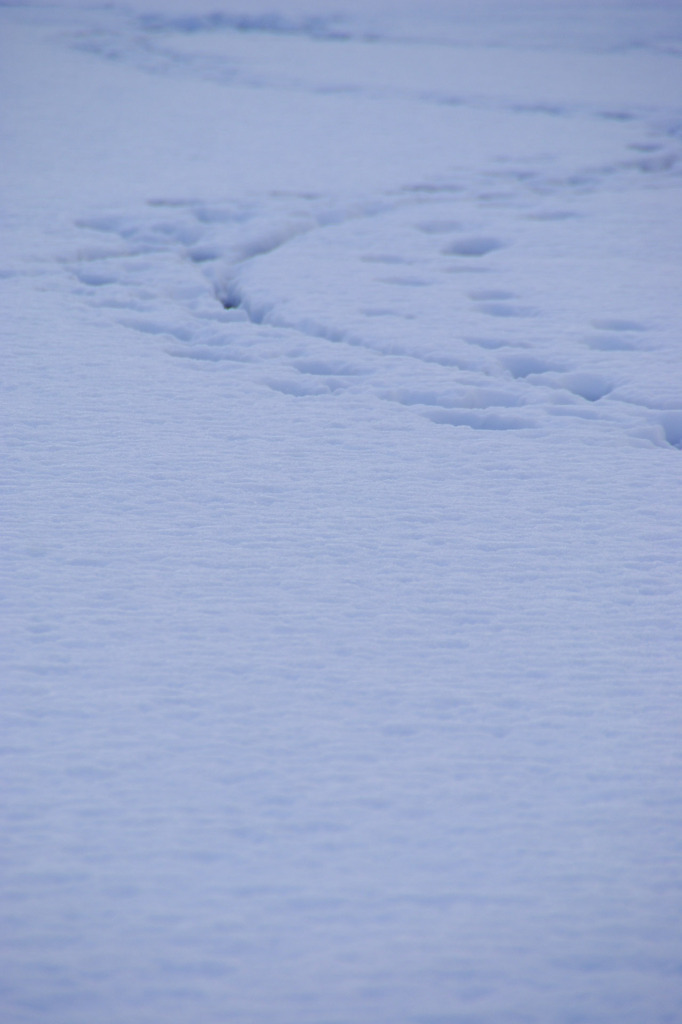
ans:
(229, 298)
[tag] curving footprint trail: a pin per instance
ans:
(294, 292)
(533, 273)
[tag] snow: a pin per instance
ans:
(342, 418)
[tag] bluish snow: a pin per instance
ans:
(342, 414)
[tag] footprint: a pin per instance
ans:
(385, 258)
(172, 203)
(373, 311)
(476, 245)
(609, 343)
(488, 343)
(610, 338)
(671, 421)
(438, 227)
(550, 215)
(617, 115)
(615, 324)
(505, 309)
(218, 215)
(468, 398)
(551, 109)
(426, 188)
(321, 368)
(590, 386)
(409, 282)
(95, 278)
(208, 354)
(477, 419)
(203, 254)
(140, 231)
(157, 327)
(520, 365)
(298, 389)
(491, 295)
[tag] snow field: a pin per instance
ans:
(341, 563)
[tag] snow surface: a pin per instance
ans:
(342, 414)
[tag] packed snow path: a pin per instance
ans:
(341, 529)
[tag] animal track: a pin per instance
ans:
(381, 258)
(474, 246)
(590, 386)
(96, 278)
(223, 284)
(491, 295)
(552, 215)
(671, 422)
(439, 227)
(478, 420)
(322, 368)
(406, 282)
(522, 365)
(609, 343)
(489, 343)
(505, 309)
(469, 397)
(303, 389)
(615, 334)
(618, 325)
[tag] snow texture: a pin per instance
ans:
(342, 419)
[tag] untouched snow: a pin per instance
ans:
(342, 415)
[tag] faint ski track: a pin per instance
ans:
(137, 45)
